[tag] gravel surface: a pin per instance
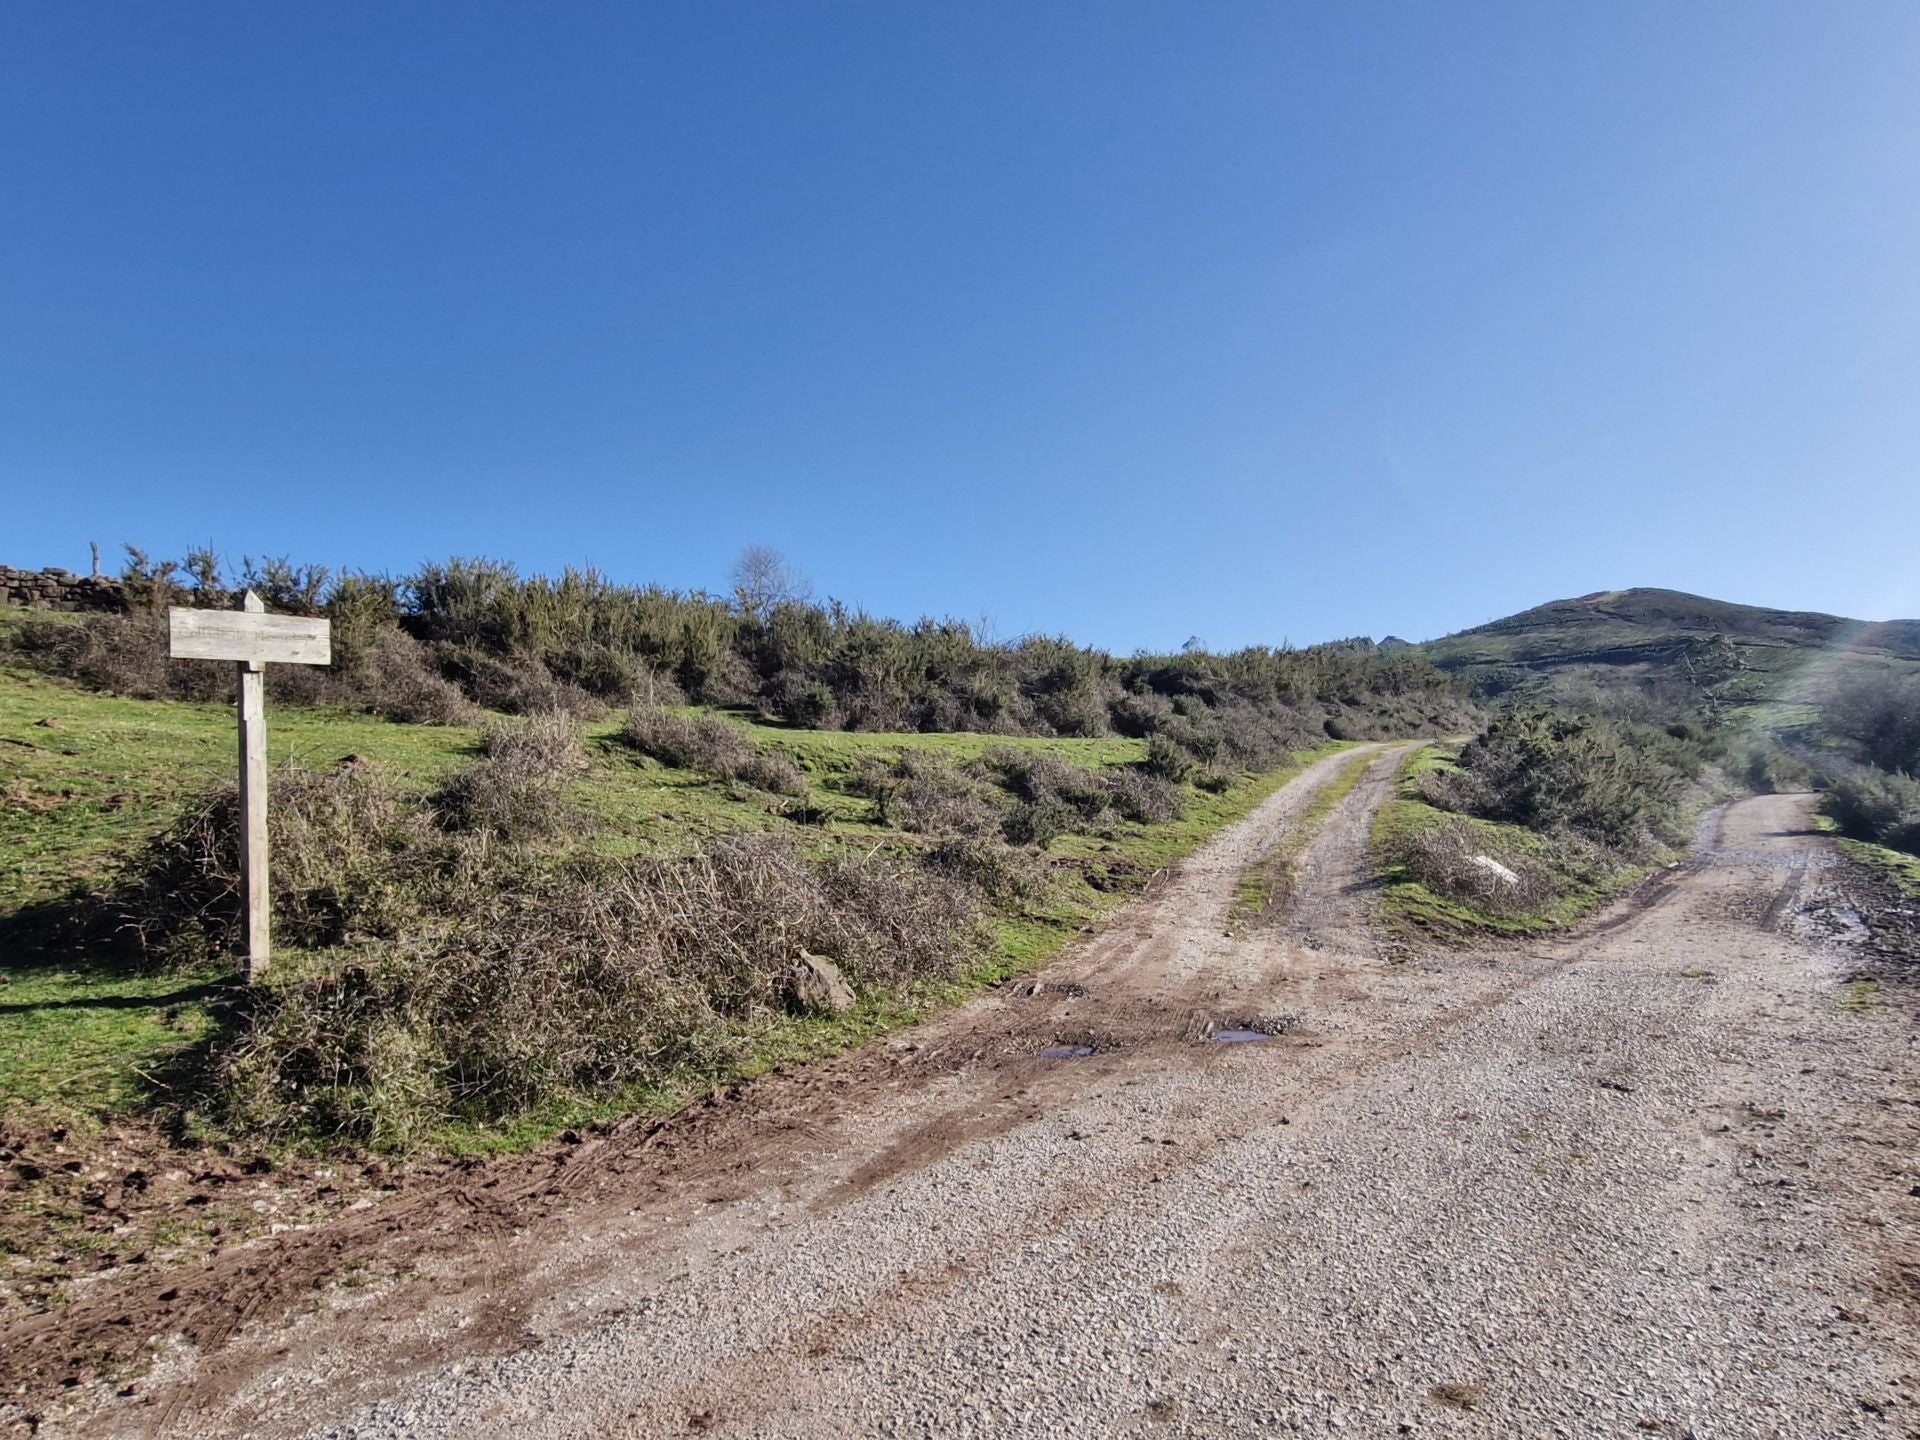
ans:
(1650, 1179)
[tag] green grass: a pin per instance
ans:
(1267, 884)
(83, 1043)
(1409, 905)
(86, 777)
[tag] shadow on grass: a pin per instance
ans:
(191, 995)
(81, 940)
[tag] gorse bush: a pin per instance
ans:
(712, 746)
(578, 642)
(1037, 778)
(1144, 798)
(514, 684)
(1618, 785)
(1029, 798)
(1767, 769)
(928, 796)
(1167, 760)
(355, 858)
(1877, 715)
(1450, 858)
(119, 654)
(591, 980)
(709, 744)
(1003, 874)
(518, 791)
(1876, 807)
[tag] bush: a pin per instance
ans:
(529, 644)
(546, 986)
(1878, 714)
(927, 796)
(1549, 771)
(386, 673)
(1167, 759)
(1039, 778)
(1770, 770)
(1444, 858)
(773, 773)
(999, 872)
(353, 858)
(1213, 779)
(1143, 797)
(515, 684)
(712, 746)
(1876, 807)
(1461, 791)
(119, 655)
(517, 792)
(706, 744)
(1038, 823)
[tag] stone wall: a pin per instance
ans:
(57, 589)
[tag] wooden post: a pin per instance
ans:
(252, 638)
(257, 907)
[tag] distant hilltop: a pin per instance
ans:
(1644, 632)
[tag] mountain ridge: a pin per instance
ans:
(1646, 631)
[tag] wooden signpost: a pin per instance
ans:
(254, 639)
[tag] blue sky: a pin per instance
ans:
(1132, 322)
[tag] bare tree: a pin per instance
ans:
(764, 578)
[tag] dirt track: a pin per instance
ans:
(1649, 1179)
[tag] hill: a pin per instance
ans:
(1648, 637)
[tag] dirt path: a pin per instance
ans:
(1651, 1179)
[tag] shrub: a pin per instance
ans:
(1038, 823)
(1140, 716)
(712, 746)
(587, 981)
(527, 644)
(353, 855)
(515, 684)
(773, 773)
(1549, 771)
(517, 792)
(707, 744)
(1878, 714)
(379, 669)
(927, 796)
(1876, 807)
(1770, 770)
(1144, 797)
(1444, 858)
(1167, 760)
(1039, 778)
(119, 655)
(998, 871)
(1461, 791)
(387, 673)
(1213, 779)
(399, 681)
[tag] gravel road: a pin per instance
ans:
(1657, 1177)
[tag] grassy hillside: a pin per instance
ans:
(87, 779)
(1645, 636)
